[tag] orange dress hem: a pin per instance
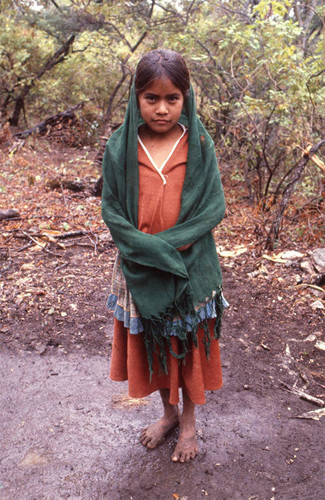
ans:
(197, 375)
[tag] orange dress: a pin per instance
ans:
(159, 207)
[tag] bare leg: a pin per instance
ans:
(153, 435)
(187, 446)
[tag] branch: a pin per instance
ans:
(275, 227)
(151, 9)
(42, 127)
(57, 57)
(121, 35)
(242, 14)
(115, 91)
(307, 85)
(56, 5)
(142, 37)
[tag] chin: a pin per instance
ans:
(163, 126)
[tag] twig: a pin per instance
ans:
(62, 236)
(94, 242)
(49, 217)
(71, 234)
(62, 191)
(303, 395)
(69, 113)
(61, 267)
(311, 286)
(12, 219)
(25, 247)
(9, 214)
(43, 248)
(86, 245)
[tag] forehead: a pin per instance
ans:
(162, 86)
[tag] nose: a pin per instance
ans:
(162, 107)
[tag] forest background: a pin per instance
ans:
(258, 68)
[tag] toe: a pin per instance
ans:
(143, 433)
(145, 440)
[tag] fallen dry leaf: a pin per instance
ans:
(314, 414)
(274, 258)
(232, 253)
(125, 401)
(320, 345)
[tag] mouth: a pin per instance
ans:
(162, 122)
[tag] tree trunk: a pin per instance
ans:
(19, 106)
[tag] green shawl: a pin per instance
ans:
(165, 283)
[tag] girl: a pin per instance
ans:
(162, 197)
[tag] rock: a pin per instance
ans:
(307, 266)
(9, 214)
(317, 305)
(318, 257)
(292, 255)
(33, 458)
(106, 237)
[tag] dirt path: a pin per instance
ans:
(68, 432)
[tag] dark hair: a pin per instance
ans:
(162, 63)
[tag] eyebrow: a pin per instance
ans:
(174, 94)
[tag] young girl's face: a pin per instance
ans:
(161, 105)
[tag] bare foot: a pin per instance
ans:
(153, 435)
(187, 446)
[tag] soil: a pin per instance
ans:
(67, 431)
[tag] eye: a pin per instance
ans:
(173, 98)
(150, 98)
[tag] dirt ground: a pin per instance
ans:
(67, 431)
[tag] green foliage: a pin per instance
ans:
(274, 9)
(257, 67)
(263, 93)
(22, 51)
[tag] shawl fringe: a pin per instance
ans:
(157, 331)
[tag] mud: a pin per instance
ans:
(68, 432)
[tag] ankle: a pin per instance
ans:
(171, 411)
(187, 420)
